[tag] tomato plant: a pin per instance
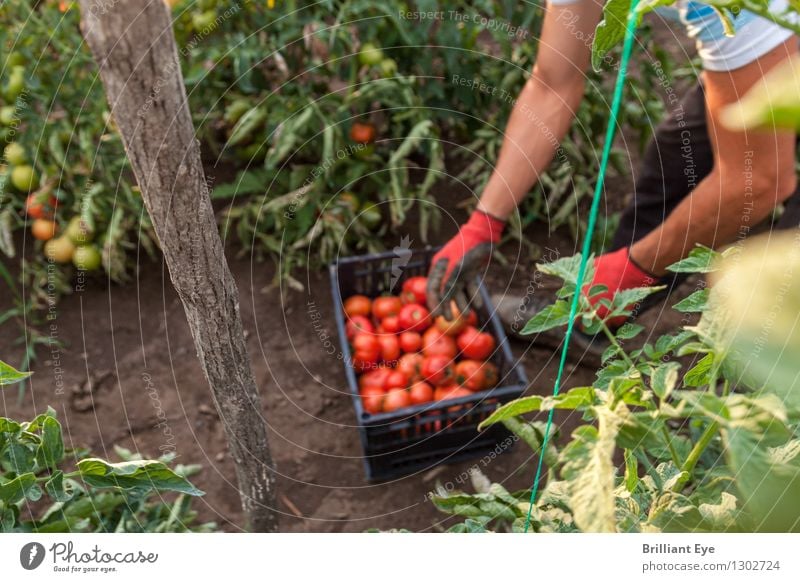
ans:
(85, 493)
(666, 443)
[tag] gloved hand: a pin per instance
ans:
(454, 268)
(617, 272)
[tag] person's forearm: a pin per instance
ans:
(714, 214)
(538, 123)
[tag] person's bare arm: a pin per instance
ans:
(545, 107)
(753, 171)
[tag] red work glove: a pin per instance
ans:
(454, 268)
(617, 272)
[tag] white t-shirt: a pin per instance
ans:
(755, 36)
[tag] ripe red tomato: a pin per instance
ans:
(414, 317)
(471, 375)
(366, 351)
(357, 305)
(474, 344)
(472, 318)
(396, 399)
(454, 327)
(395, 379)
(411, 366)
(414, 290)
(438, 370)
(450, 391)
(390, 348)
(362, 132)
(385, 306)
(374, 378)
(435, 343)
(372, 399)
(420, 393)
(357, 324)
(391, 324)
(492, 375)
(410, 341)
(38, 208)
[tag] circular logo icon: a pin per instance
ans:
(31, 555)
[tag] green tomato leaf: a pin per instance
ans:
(51, 448)
(700, 260)
(134, 475)
(700, 374)
(56, 488)
(10, 375)
(17, 488)
(552, 316)
(611, 30)
(664, 379)
(629, 331)
(695, 303)
(575, 398)
(566, 268)
(589, 468)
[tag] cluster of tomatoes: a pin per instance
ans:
(406, 357)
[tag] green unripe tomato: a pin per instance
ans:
(370, 55)
(78, 231)
(15, 154)
(8, 115)
(24, 178)
(16, 83)
(87, 258)
(388, 67)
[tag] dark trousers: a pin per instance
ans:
(677, 158)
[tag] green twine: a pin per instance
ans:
(627, 48)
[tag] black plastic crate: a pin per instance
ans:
(420, 437)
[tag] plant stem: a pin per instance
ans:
(696, 452)
(705, 439)
(672, 451)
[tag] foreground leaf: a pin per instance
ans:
(10, 375)
(134, 475)
(590, 470)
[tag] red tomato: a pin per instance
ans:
(420, 393)
(38, 208)
(438, 370)
(372, 399)
(366, 351)
(374, 378)
(435, 343)
(450, 391)
(474, 344)
(357, 324)
(411, 366)
(396, 399)
(410, 341)
(357, 305)
(414, 290)
(390, 348)
(383, 307)
(395, 379)
(471, 375)
(363, 133)
(391, 324)
(492, 375)
(472, 318)
(454, 327)
(414, 317)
